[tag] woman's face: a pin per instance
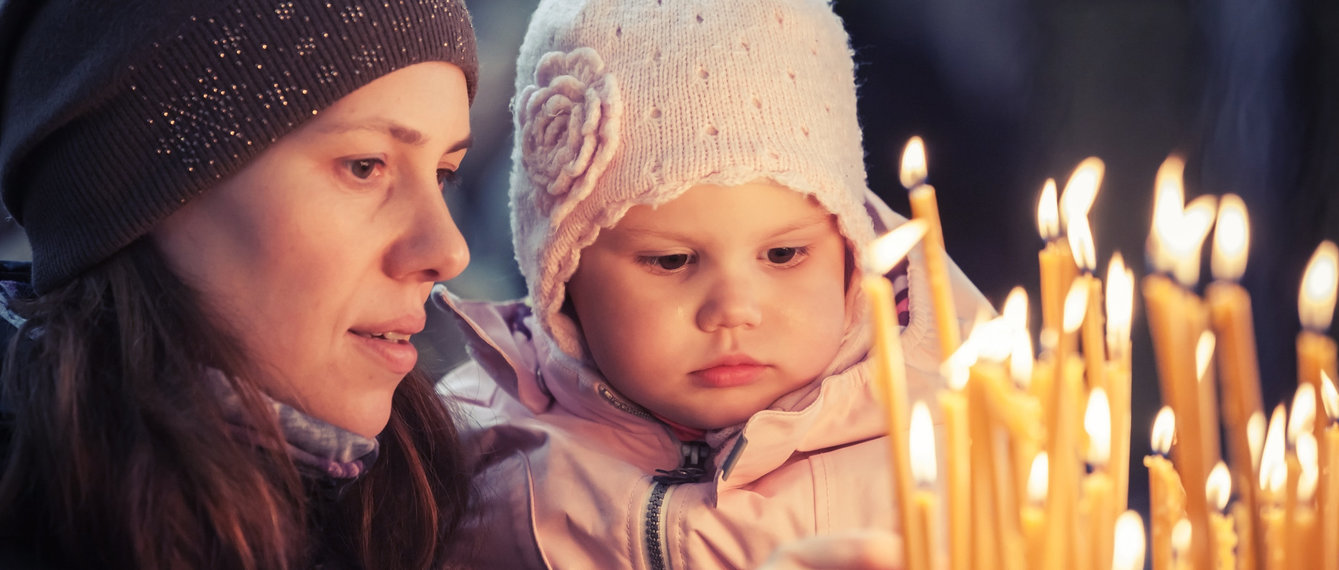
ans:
(320, 254)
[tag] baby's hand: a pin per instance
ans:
(856, 550)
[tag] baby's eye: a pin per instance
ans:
(364, 168)
(782, 255)
(669, 262)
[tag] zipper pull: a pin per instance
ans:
(694, 457)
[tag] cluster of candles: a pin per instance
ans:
(1036, 443)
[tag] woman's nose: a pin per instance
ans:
(432, 247)
(732, 301)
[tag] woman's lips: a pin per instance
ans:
(397, 354)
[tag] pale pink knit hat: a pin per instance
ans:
(627, 102)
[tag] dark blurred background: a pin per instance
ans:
(1009, 92)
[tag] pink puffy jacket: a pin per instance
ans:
(573, 476)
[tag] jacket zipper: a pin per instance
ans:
(693, 458)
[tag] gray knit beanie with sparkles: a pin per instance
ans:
(113, 114)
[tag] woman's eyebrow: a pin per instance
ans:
(399, 132)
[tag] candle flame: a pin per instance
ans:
(957, 367)
(1048, 212)
(1315, 304)
(1020, 360)
(1204, 354)
(1130, 544)
(1273, 463)
(1015, 308)
(1038, 479)
(1081, 243)
(1076, 305)
(887, 250)
(1218, 487)
(993, 339)
(1231, 238)
(1329, 396)
(1308, 454)
(1255, 437)
(913, 163)
(1164, 431)
(1097, 423)
(1120, 306)
(1181, 532)
(1081, 190)
(921, 445)
(1168, 201)
(1303, 415)
(1186, 243)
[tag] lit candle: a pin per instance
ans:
(1230, 311)
(1032, 514)
(1057, 265)
(1176, 319)
(884, 253)
(1315, 308)
(1329, 474)
(1218, 490)
(1097, 486)
(1120, 306)
(920, 554)
(1063, 443)
(1302, 516)
(925, 207)
(1167, 498)
(1075, 203)
(1130, 545)
(957, 442)
(1273, 485)
(1183, 534)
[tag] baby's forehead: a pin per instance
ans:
(758, 204)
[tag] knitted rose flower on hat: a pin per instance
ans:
(567, 128)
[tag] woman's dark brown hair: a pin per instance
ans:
(121, 453)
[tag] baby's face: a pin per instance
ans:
(708, 308)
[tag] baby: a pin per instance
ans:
(686, 386)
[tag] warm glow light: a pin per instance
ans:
(887, 250)
(1329, 396)
(1037, 479)
(957, 367)
(1081, 191)
(1097, 423)
(1308, 454)
(1081, 243)
(921, 445)
(1120, 306)
(1020, 360)
(1184, 246)
(1218, 487)
(1076, 305)
(1231, 239)
(1273, 463)
(993, 339)
(1168, 200)
(1255, 437)
(1181, 543)
(1315, 303)
(1204, 354)
(1164, 431)
(1048, 212)
(1015, 309)
(1130, 544)
(1302, 418)
(913, 163)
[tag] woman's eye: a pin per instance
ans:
(781, 255)
(364, 168)
(446, 178)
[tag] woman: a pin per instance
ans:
(236, 216)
